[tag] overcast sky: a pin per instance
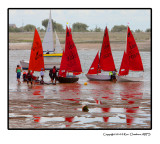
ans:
(137, 18)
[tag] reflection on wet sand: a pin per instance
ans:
(104, 109)
(110, 106)
(69, 120)
(133, 98)
(37, 92)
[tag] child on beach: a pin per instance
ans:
(18, 71)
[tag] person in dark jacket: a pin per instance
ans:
(51, 75)
(29, 77)
(54, 73)
(114, 75)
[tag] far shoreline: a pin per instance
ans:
(143, 46)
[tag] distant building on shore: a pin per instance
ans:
(12, 25)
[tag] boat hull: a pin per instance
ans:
(53, 55)
(67, 79)
(129, 79)
(47, 66)
(96, 77)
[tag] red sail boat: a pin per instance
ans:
(36, 62)
(104, 63)
(131, 60)
(70, 62)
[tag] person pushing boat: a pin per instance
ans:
(113, 75)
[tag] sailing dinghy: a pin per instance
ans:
(48, 42)
(36, 62)
(70, 62)
(47, 65)
(104, 63)
(131, 60)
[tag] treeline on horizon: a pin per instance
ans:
(76, 27)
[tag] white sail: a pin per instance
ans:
(48, 43)
(58, 48)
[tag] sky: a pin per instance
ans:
(136, 18)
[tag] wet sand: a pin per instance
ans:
(116, 46)
(60, 106)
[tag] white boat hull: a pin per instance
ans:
(129, 79)
(98, 77)
(47, 66)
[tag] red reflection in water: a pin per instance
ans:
(70, 92)
(37, 119)
(38, 91)
(69, 119)
(131, 93)
(75, 100)
(104, 110)
(97, 101)
(130, 111)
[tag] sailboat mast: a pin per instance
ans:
(126, 39)
(101, 46)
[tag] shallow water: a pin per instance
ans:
(111, 105)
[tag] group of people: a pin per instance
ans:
(30, 78)
(53, 74)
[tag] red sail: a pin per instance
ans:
(72, 58)
(63, 66)
(106, 58)
(135, 62)
(124, 69)
(36, 61)
(94, 67)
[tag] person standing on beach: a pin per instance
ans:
(114, 73)
(54, 73)
(24, 76)
(51, 75)
(29, 77)
(18, 71)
